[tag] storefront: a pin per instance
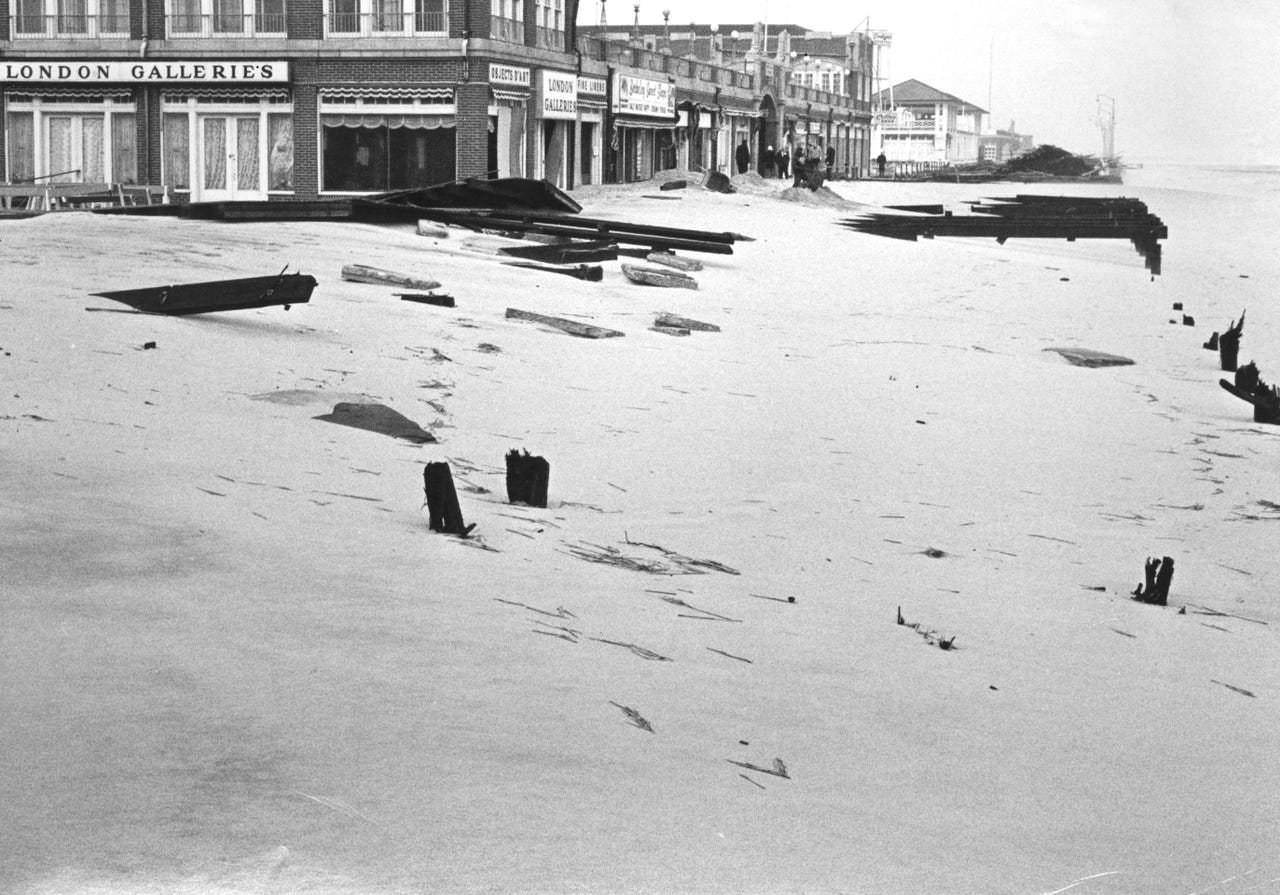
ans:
(555, 117)
(736, 125)
(592, 100)
(511, 86)
(226, 125)
(695, 137)
(374, 139)
(644, 118)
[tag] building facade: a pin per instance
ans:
(918, 124)
(302, 99)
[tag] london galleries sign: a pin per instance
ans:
(77, 71)
(557, 95)
(642, 96)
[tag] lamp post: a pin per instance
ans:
(635, 28)
(666, 27)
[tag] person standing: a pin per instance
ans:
(783, 159)
(831, 160)
(742, 156)
(880, 163)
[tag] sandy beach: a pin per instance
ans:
(235, 659)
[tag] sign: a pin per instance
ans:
(557, 95)
(592, 86)
(642, 96)
(509, 75)
(78, 71)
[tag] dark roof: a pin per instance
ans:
(914, 92)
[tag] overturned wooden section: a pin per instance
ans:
(1030, 217)
(572, 327)
(180, 299)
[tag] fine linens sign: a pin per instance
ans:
(150, 71)
(557, 95)
(642, 96)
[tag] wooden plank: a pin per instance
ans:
(572, 327)
(652, 276)
(665, 319)
(670, 259)
(360, 273)
(440, 301)
(218, 295)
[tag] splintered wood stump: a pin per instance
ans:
(527, 478)
(1212, 343)
(444, 514)
(1229, 344)
(1159, 575)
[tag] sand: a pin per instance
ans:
(236, 660)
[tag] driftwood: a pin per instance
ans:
(665, 319)
(444, 513)
(593, 273)
(360, 273)
(527, 478)
(572, 327)
(670, 330)
(671, 259)
(1159, 575)
(1229, 344)
(653, 276)
(440, 301)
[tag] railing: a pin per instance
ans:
(506, 29)
(550, 39)
(381, 24)
(26, 27)
(225, 25)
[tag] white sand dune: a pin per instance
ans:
(234, 659)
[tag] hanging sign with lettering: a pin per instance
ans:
(509, 75)
(642, 96)
(557, 95)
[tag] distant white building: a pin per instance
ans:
(921, 124)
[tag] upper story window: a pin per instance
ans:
(381, 18)
(225, 18)
(549, 20)
(508, 21)
(71, 18)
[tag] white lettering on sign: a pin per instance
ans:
(275, 71)
(557, 95)
(642, 96)
(592, 86)
(510, 75)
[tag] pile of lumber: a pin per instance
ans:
(1031, 217)
(653, 237)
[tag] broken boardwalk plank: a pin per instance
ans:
(572, 327)
(361, 273)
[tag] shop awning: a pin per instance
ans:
(635, 121)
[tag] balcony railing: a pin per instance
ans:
(550, 39)
(225, 25)
(26, 27)
(506, 29)
(384, 24)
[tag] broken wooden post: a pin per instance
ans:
(1229, 344)
(527, 478)
(1247, 377)
(1159, 575)
(444, 514)
(1212, 343)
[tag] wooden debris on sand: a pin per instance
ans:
(1087, 357)
(444, 513)
(361, 273)
(675, 320)
(592, 273)
(181, 299)
(1250, 387)
(377, 418)
(572, 327)
(671, 259)
(527, 478)
(633, 716)
(1159, 575)
(671, 563)
(1229, 344)
(779, 768)
(422, 298)
(653, 276)
(670, 330)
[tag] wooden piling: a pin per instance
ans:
(444, 513)
(527, 478)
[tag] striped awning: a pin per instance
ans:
(441, 95)
(233, 94)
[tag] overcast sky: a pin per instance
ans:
(1192, 81)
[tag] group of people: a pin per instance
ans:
(783, 161)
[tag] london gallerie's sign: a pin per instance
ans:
(557, 95)
(151, 71)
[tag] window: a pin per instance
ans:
(81, 140)
(383, 17)
(549, 21)
(390, 142)
(507, 22)
(226, 17)
(71, 18)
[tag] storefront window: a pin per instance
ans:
(280, 175)
(124, 148)
(21, 144)
(177, 152)
(396, 152)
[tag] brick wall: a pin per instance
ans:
(304, 20)
(473, 129)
